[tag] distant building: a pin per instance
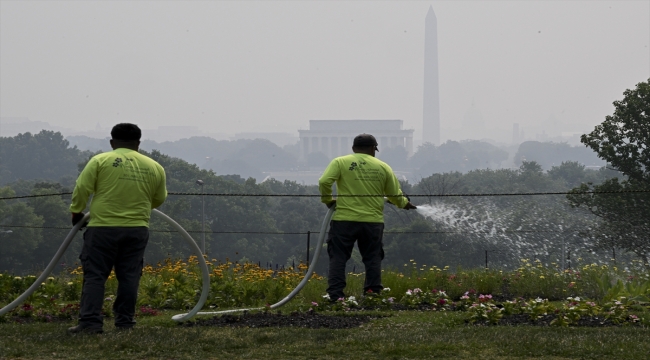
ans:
(334, 137)
(173, 133)
(12, 126)
(278, 138)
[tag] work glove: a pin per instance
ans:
(76, 217)
(410, 206)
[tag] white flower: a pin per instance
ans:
(408, 292)
(577, 298)
(351, 298)
(386, 289)
(326, 296)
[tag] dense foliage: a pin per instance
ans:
(46, 155)
(623, 140)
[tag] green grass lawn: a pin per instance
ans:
(401, 335)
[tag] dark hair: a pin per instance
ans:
(126, 132)
(365, 141)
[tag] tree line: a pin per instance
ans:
(457, 231)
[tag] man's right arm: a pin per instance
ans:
(326, 181)
(160, 194)
(85, 186)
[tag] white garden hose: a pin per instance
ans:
(55, 260)
(305, 279)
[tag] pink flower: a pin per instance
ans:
(313, 303)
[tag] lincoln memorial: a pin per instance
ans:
(334, 137)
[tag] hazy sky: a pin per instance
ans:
(271, 66)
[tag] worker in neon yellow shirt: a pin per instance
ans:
(125, 185)
(358, 218)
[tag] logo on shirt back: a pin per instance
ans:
(354, 165)
(119, 162)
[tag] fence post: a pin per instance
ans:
(308, 237)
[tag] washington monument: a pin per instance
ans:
(431, 100)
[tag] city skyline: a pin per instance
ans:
(230, 67)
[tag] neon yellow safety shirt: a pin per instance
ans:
(126, 186)
(360, 174)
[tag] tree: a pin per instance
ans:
(56, 222)
(571, 172)
(395, 157)
(46, 155)
(317, 159)
(482, 155)
(17, 243)
(549, 154)
(622, 140)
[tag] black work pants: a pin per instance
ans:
(106, 248)
(340, 242)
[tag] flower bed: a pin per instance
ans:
(619, 296)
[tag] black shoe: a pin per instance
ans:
(84, 330)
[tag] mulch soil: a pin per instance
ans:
(310, 319)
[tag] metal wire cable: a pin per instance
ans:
(305, 232)
(362, 195)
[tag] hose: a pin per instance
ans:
(75, 229)
(305, 279)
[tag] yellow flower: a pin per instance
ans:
(541, 276)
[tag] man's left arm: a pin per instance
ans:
(392, 188)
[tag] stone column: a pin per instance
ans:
(305, 147)
(409, 145)
(315, 145)
(334, 147)
(324, 146)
